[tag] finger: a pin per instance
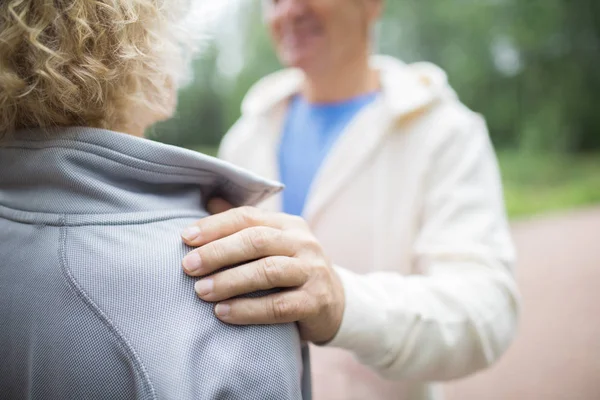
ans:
(266, 273)
(279, 308)
(242, 247)
(224, 224)
(228, 222)
(218, 205)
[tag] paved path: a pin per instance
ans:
(556, 355)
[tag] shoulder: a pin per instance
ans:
(424, 103)
(420, 91)
(132, 274)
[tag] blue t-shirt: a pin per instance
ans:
(309, 132)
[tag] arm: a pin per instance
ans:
(456, 318)
(460, 315)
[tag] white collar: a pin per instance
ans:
(405, 88)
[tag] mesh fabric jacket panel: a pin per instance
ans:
(93, 300)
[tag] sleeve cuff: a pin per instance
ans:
(362, 330)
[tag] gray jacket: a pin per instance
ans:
(93, 300)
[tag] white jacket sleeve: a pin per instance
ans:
(460, 314)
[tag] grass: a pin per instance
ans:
(536, 184)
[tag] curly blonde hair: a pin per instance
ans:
(88, 62)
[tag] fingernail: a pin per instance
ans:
(222, 310)
(191, 233)
(192, 262)
(204, 287)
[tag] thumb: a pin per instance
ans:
(217, 205)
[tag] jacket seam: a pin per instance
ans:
(73, 220)
(122, 342)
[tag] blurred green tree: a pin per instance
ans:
(531, 67)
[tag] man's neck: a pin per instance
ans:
(352, 79)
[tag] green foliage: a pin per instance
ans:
(208, 150)
(531, 67)
(199, 118)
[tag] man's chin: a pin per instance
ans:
(301, 61)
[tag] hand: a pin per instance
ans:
(274, 250)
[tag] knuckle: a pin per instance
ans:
(309, 241)
(300, 241)
(298, 222)
(249, 215)
(282, 309)
(316, 245)
(271, 271)
(322, 269)
(270, 264)
(258, 239)
(301, 268)
(310, 306)
(312, 267)
(313, 304)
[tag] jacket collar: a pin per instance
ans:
(94, 171)
(406, 91)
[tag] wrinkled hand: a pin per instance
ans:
(275, 250)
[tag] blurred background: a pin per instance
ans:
(530, 67)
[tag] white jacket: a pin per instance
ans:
(409, 207)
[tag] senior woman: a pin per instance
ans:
(391, 233)
(93, 304)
